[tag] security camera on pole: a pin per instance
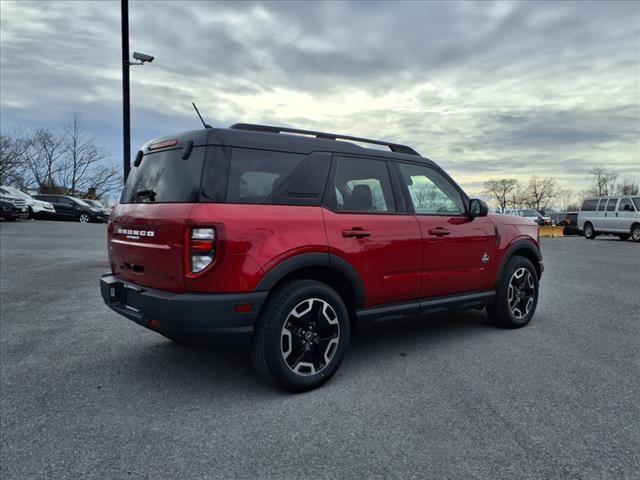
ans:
(141, 59)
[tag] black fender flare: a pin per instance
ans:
(521, 244)
(303, 260)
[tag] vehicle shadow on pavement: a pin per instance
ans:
(194, 370)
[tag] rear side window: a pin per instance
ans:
(589, 205)
(602, 205)
(625, 204)
(611, 206)
(164, 177)
(362, 185)
(275, 178)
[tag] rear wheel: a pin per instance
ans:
(84, 218)
(302, 335)
(517, 294)
(589, 231)
(635, 233)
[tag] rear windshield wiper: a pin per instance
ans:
(150, 194)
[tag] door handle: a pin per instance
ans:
(439, 232)
(356, 232)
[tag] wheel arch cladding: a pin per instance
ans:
(522, 248)
(324, 267)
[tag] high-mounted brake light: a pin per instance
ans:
(202, 248)
(165, 144)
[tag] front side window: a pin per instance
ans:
(431, 193)
(362, 185)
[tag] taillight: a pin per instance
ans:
(201, 248)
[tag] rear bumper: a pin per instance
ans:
(211, 318)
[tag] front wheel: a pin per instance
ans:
(589, 231)
(635, 233)
(517, 294)
(84, 218)
(302, 335)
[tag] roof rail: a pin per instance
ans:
(394, 147)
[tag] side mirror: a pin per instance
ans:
(478, 208)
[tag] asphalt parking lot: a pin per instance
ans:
(87, 394)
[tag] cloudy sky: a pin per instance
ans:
(485, 89)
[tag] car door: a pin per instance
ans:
(458, 251)
(368, 227)
(609, 223)
(625, 215)
(598, 215)
(65, 207)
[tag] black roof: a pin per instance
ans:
(290, 140)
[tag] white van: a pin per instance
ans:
(614, 215)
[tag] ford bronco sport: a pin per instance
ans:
(287, 240)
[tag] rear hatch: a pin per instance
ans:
(147, 229)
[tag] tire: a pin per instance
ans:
(635, 232)
(519, 279)
(589, 231)
(302, 335)
(624, 236)
(84, 218)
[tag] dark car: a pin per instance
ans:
(72, 208)
(12, 208)
(568, 220)
(289, 243)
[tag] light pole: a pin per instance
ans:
(142, 58)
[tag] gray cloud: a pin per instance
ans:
(486, 89)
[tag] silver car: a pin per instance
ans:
(613, 215)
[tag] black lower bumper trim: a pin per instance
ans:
(208, 317)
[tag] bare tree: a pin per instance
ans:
(84, 164)
(540, 192)
(628, 187)
(43, 157)
(12, 161)
(602, 182)
(566, 198)
(518, 197)
(501, 189)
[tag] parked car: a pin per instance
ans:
(610, 215)
(568, 220)
(71, 208)
(287, 243)
(96, 204)
(530, 214)
(37, 208)
(12, 208)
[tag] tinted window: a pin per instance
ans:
(430, 191)
(611, 206)
(164, 177)
(362, 185)
(636, 202)
(602, 204)
(625, 204)
(589, 205)
(275, 178)
(4, 192)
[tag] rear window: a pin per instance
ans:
(164, 177)
(589, 205)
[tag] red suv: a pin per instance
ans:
(287, 240)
